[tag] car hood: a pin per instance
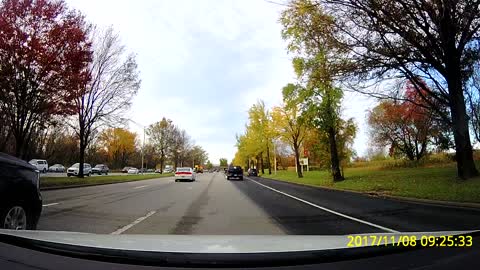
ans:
(205, 243)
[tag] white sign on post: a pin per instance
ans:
(304, 162)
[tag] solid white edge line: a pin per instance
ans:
(138, 220)
(140, 186)
(50, 204)
(327, 210)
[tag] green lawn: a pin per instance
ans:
(69, 181)
(436, 183)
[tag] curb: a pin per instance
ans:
(91, 185)
(462, 205)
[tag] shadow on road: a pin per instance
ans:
(296, 217)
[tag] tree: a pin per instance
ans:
(473, 101)
(44, 52)
(160, 135)
(291, 126)
(196, 156)
(403, 125)
(318, 145)
(180, 143)
(107, 95)
(307, 30)
(223, 162)
(435, 41)
(262, 131)
(120, 145)
(209, 165)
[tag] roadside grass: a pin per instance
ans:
(430, 182)
(46, 182)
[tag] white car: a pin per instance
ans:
(133, 171)
(41, 164)
(56, 168)
(185, 173)
(74, 170)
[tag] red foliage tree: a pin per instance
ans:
(44, 52)
(406, 126)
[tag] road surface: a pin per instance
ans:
(213, 205)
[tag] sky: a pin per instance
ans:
(203, 63)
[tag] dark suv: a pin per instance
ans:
(252, 172)
(100, 169)
(20, 199)
(235, 172)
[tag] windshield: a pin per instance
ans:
(255, 117)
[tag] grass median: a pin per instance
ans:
(434, 183)
(49, 182)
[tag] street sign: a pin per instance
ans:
(304, 161)
(305, 152)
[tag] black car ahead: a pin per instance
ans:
(20, 199)
(252, 172)
(100, 169)
(235, 172)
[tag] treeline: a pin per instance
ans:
(421, 60)
(119, 147)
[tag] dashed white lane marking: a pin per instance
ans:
(328, 210)
(138, 220)
(140, 187)
(50, 204)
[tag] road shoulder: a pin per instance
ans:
(450, 204)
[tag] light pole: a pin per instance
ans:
(143, 142)
(181, 160)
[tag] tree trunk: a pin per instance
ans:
(82, 156)
(297, 160)
(18, 146)
(162, 161)
(464, 153)
(261, 163)
(336, 173)
(268, 160)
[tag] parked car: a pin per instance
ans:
(74, 170)
(158, 171)
(184, 173)
(40, 164)
(100, 169)
(234, 172)
(150, 170)
(168, 170)
(125, 169)
(56, 168)
(20, 198)
(133, 170)
(252, 172)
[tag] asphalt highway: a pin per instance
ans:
(213, 205)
